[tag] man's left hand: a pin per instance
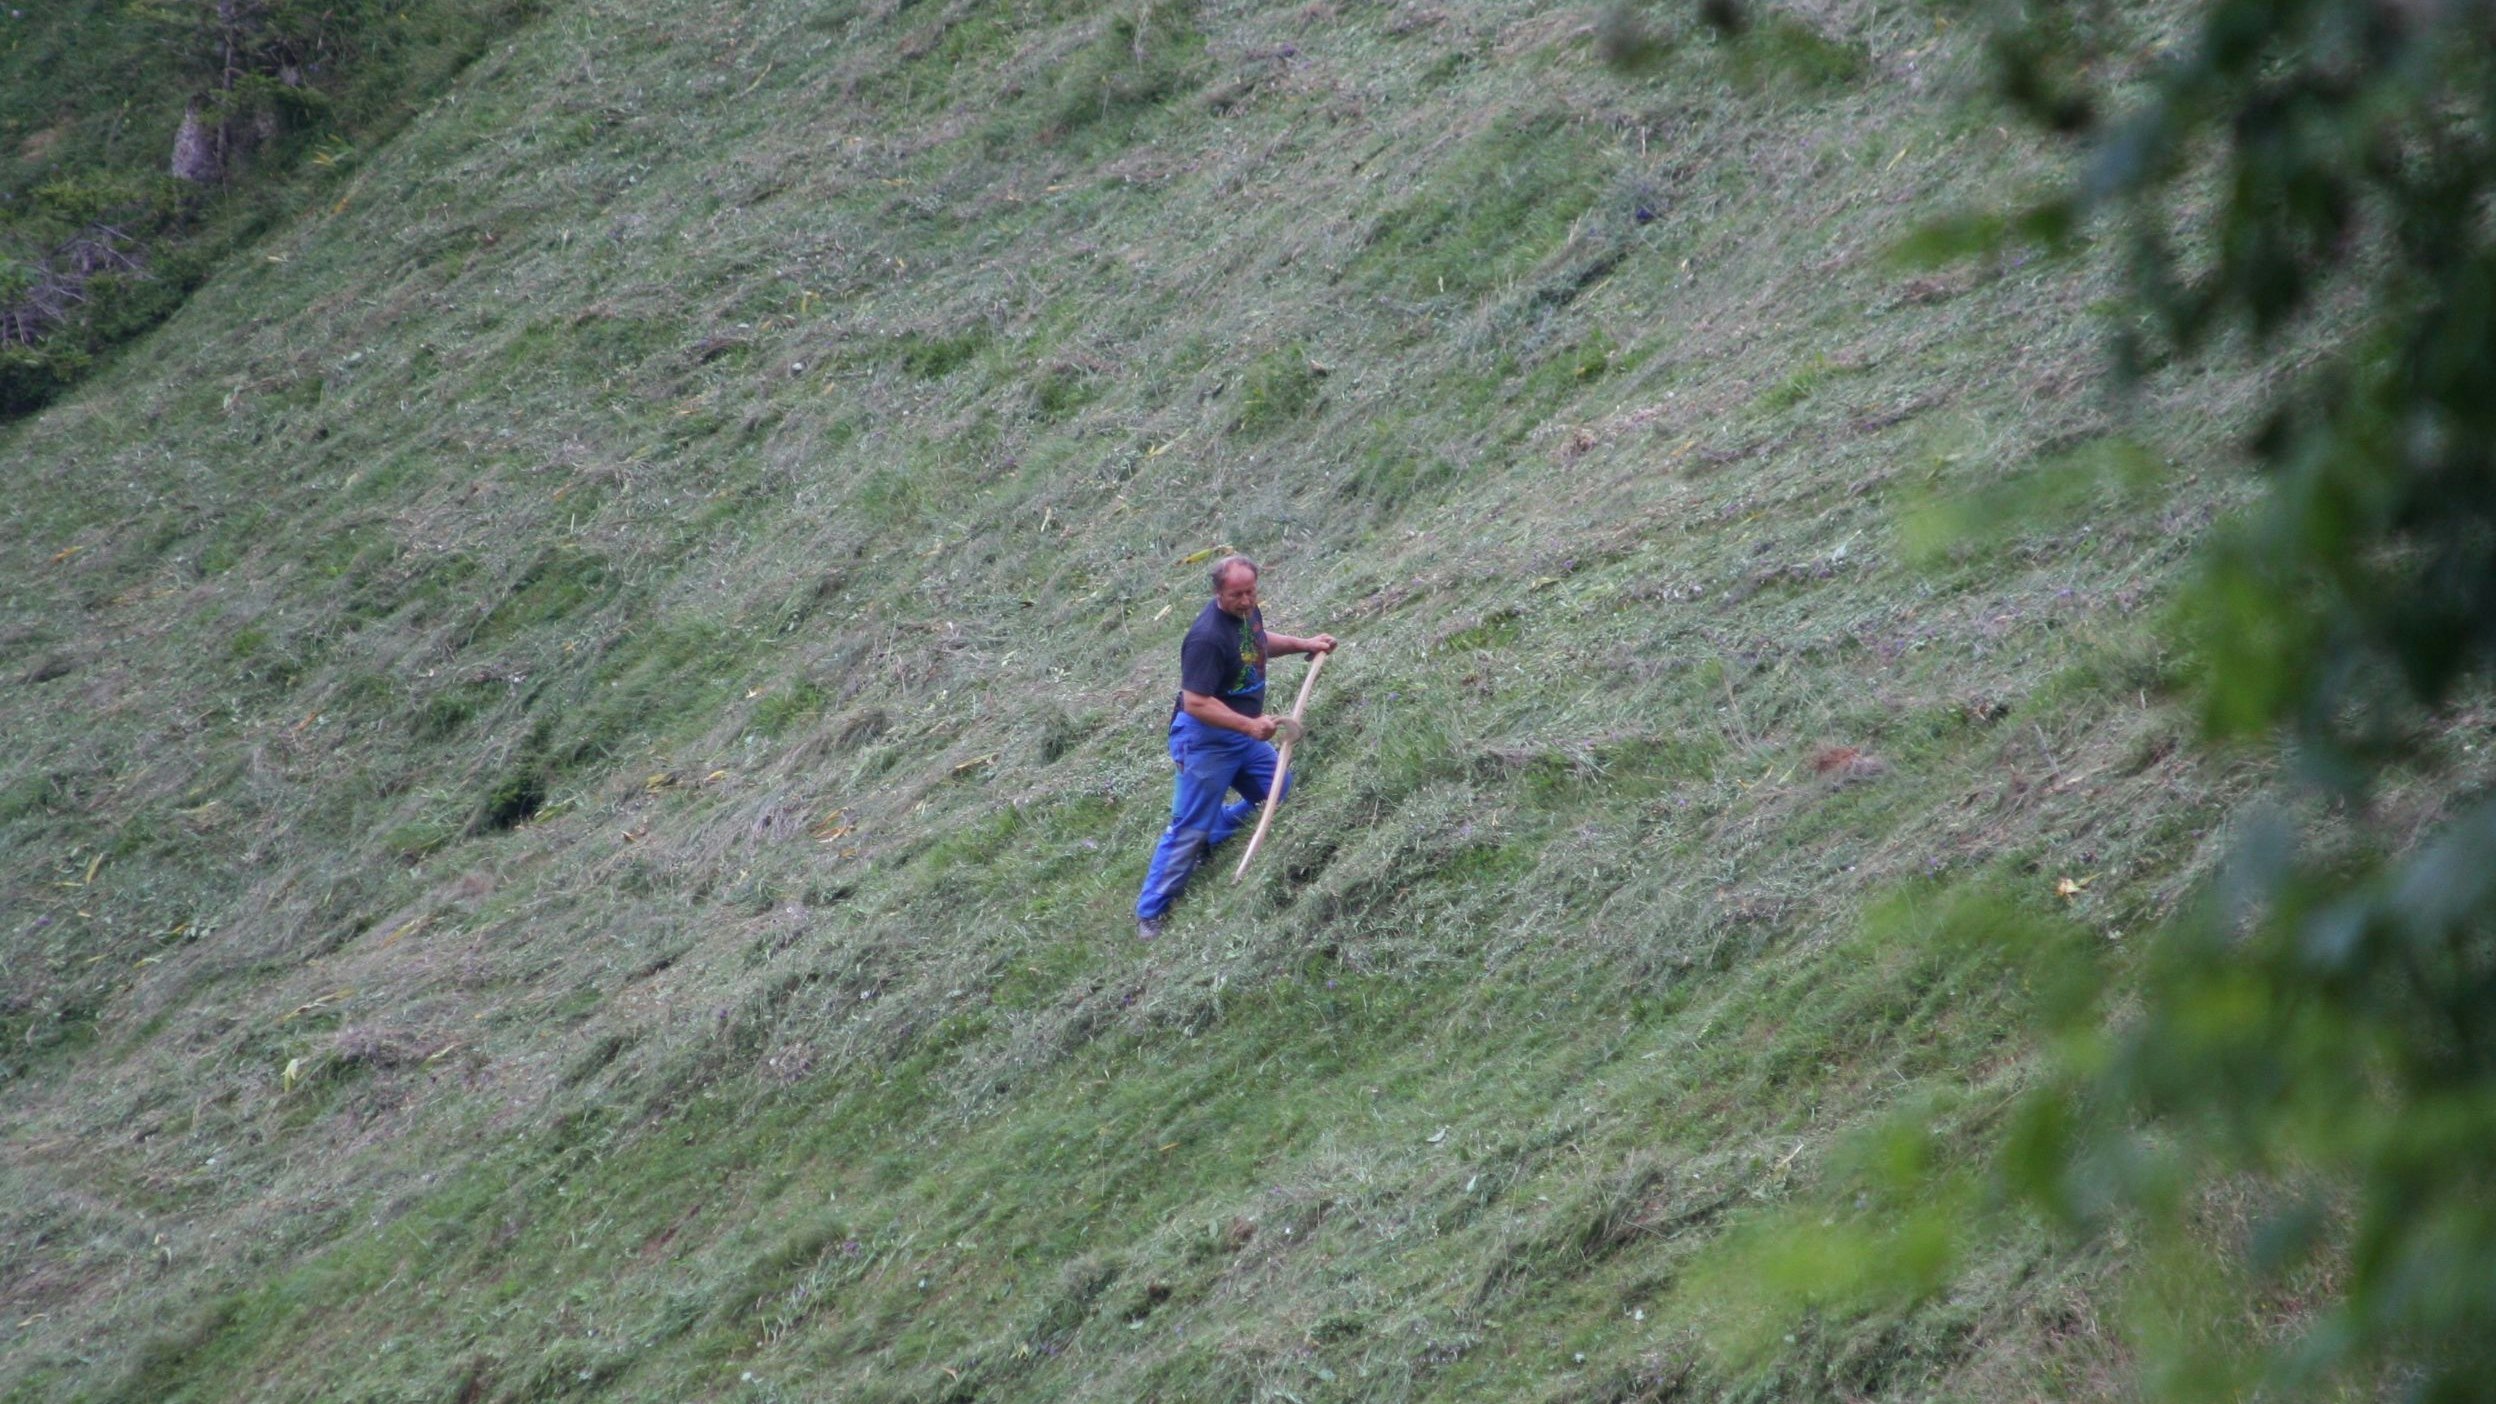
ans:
(1323, 643)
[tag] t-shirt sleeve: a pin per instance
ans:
(1205, 666)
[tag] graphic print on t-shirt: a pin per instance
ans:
(1250, 681)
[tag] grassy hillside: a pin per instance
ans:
(586, 717)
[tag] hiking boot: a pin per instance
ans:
(1146, 928)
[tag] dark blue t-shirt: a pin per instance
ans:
(1225, 658)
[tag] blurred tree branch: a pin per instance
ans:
(2321, 1025)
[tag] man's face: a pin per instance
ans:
(1237, 594)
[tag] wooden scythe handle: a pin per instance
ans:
(1282, 771)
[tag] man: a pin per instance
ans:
(1219, 734)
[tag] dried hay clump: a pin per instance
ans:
(1843, 765)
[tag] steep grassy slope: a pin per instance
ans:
(585, 721)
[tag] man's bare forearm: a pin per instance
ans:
(1287, 644)
(1212, 711)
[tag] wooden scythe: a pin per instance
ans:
(1282, 767)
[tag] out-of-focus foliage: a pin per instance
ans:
(2288, 1106)
(2323, 1019)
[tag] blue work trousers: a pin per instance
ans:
(1212, 762)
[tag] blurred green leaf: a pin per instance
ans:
(2309, 1044)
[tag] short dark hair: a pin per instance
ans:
(1223, 567)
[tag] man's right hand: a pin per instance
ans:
(1212, 713)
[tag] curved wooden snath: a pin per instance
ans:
(1282, 769)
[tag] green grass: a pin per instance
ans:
(1492, 210)
(629, 641)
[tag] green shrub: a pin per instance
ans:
(785, 707)
(1136, 62)
(1061, 390)
(935, 357)
(516, 794)
(412, 842)
(1785, 54)
(559, 583)
(29, 378)
(28, 794)
(1280, 386)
